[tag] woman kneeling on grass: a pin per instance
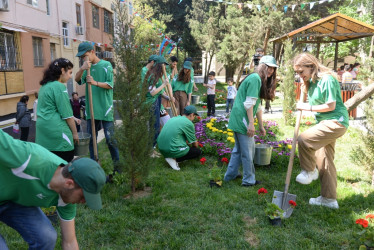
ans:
(317, 144)
(259, 85)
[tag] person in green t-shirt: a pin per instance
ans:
(259, 85)
(150, 64)
(172, 139)
(317, 144)
(182, 87)
(32, 177)
(171, 69)
(101, 80)
(55, 126)
(189, 59)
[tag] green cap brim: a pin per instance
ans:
(93, 201)
(187, 67)
(79, 54)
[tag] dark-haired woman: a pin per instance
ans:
(55, 126)
(259, 85)
(182, 87)
(23, 117)
(155, 89)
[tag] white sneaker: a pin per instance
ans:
(322, 201)
(306, 177)
(173, 163)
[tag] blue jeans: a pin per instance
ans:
(31, 223)
(243, 153)
(110, 141)
(229, 103)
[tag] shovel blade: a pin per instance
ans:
(278, 199)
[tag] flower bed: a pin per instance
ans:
(217, 140)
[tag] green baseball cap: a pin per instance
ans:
(161, 59)
(191, 109)
(88, 174)
(152, 58)
(187, 65)
(269, 61)
(83, 48)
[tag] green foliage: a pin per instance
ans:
(133, 136)
(364, 155)
(273, 211)
(49, 210)
(288, 85)
(216, 173)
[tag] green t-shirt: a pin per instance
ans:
(327, 90)
(143, 73)
(25, 172)
(172, 139)
(181, 86)
(250, 87)
(52, 131)
(149, 97)
(102, 98)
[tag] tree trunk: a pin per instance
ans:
(371, 45)
(210, 64)
(361, 96)
(206, 67)
(267, 35)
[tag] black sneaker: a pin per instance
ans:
(250, 185)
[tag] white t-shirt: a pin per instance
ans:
(211, 83)
(231, 92)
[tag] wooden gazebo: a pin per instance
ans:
(335, 28)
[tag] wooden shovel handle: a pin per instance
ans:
(93, 129)
(173, 109)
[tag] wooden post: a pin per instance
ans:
(336, 55)
(93, 129)
(173, 109)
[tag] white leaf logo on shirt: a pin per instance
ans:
(41, 196)
(66, 138)
(20, 171)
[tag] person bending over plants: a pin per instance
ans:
(259, 85)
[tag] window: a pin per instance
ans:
(48, 8)
(98, 52)
(33, 2)
(53, 51)
(9, 53)
(65, 33)
(38, 51)
(78, 12)
(108, 22)
(95, 17)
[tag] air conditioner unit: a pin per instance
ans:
(107, 54)
(4, 6)
(79, 30)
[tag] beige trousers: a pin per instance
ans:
(317, 149)
(181, 99)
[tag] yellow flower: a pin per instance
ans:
(230, 138)
(279, 145)
(229, 130)
(225, 132)
(255, 123)
(289, 146)
(221, 131)
(230, 134)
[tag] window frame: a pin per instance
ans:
(95, 17)
(78, 14)
(37, 47)
(65, 33)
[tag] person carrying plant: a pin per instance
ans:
(32, 177)
(259, 85)
(101, 80)
(317, 144)
(172, 139)
(182, 87)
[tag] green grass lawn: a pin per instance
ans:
(184, 212)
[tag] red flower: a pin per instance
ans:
(198, 117)
(262, 191)
(204, 107)
(308, 123)
(369, 216)
(364, 223)
(292, 203)
(290, 111)
(203, 160)
(201, 145)
(225, 160)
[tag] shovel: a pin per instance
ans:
(282, 198)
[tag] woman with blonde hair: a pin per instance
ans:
(317, 144)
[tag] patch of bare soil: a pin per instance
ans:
(139, 194)
(250, 237)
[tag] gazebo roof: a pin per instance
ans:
(337, 28)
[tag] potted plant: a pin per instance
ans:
(51, 213)
(273, 211)
(216, 177)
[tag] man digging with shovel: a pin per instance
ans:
(99, 74)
